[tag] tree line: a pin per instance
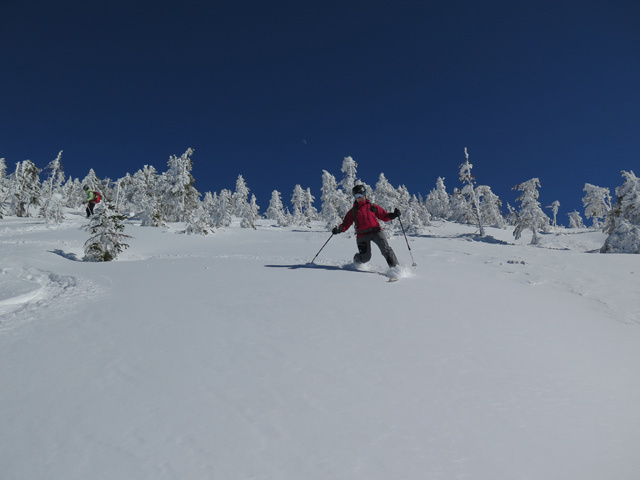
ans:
(157, 198)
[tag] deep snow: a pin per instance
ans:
(229, 357)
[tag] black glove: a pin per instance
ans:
(396, 213)
(335, 231)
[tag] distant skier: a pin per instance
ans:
(365, 215)
(93, 197)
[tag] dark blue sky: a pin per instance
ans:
(278, 91)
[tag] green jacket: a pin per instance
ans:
(91, 196)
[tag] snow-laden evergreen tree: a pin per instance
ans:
(143, 196)
(52, 193)
(334, 201)
(198, 222)
(25, 187)
(106, 240)
(555, 206)
(597, 203)
(221, 216)
(179, 196)
(73, 194)
(240, 198)
(470, 191)
(530, 215)
(490, 205)
(250, 214)
(247, 211)
(349, 172)
(460, 209)
(575, 220)
(303, 210)
(209, 204)
(153, 214)
(437, 201)
(276, 210)
(387, 196)
(623, 221)
(415, 215)
(92, 180)
(4, 185)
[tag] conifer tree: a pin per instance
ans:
(555, 206)
(437, 201)
(4, 185)
(300, 202)
(470, 191)
(221, 216)
(276, 210)
(623, 221)
(240, 198)
(250, 214)
(349, 171)
(597, 203)
(25, 187)
(52, 196)
(490, 205)
(179, 196)
(106, 235)
(530, 215)
(333, 200)
(575, 220)
(197, 221)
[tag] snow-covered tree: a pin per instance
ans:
(179, 196)
(597, 203)
(387, 196)
(530, 215)
(334, 201)
(349, 171)
(250, 214)
(106, 239)
(490, 205)
(437, 201)
(303, 210)
(276, 210)
(25, 187)
(470, 191)
(4, 185)
(221, 216)
(92, 180)
(623, 221)
(52, 193)
(460, 209)
(240, 198)
(555, 206)
(575, 220)
(197, 221)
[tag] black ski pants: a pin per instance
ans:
(364, 249)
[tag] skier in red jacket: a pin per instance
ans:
(365, 215)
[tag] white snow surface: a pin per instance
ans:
(230, 357)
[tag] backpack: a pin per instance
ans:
(98, 196)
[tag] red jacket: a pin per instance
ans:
(366, 215)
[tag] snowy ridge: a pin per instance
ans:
(231, 356)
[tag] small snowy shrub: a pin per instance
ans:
(106, 240)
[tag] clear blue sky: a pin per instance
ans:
(278, 91)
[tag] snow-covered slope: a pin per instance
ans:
(229, 357)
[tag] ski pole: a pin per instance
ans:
(325, 244)
(414, 264)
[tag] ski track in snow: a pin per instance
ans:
(36, 291)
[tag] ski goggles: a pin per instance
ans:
(359, 195)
